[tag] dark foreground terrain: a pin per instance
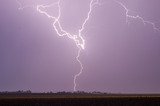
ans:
(78, 100)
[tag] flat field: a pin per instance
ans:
(41, 99)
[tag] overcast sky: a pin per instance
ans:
(118, 57)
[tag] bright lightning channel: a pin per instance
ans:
(78, 39)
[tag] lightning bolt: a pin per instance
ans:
(136, 17)
(78, 39)
(92, 3)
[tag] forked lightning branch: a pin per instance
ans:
(78, 39)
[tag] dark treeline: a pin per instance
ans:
(77, 93)
(15, 92)
(59, 93)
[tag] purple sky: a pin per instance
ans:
(118, 57)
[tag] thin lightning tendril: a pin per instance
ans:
(23, 7)
(137, 17)
(78, 39)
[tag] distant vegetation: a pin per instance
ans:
(15, 92)
(59, 93)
